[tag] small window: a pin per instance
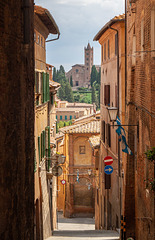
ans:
(77, 83)
(70, 117)
(103, 131)
(82, 149)
(60, 117)
(74, 117)
(105, 52)
(65, 117)
(107, 95)
(38, 39)
(87, 59)
(56, 117)
(77, 70)
(34, 36)
(41, 41)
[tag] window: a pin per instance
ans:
(45, 87)
(36, 82)
(74, 117)
(77, 70)
(105, 52)
(77, 83)
(87, 59)
(51, 99)
(70, 117)
(153, 32)
(108, 50)
(65, 117)
(41, 41)
(38, 39)
(60, 117)
(82, 149)
(108, 134)
(56, 117)
(107, 95)
(34, 36)
(107, 181)
(116, 43)
(103, 131)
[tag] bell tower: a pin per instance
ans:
(88, 62)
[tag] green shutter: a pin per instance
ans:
(49, 149)
(44, 143)
(44, 97)
(35, 81)
(42, 87)
(47, 87)
(41, 146)
(39, 152)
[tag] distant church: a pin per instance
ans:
(81, 72)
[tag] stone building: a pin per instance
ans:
(45, 126)
(66, 111)
(139, 207)
(112, 66)
(16, 120)
(78, 194)
(80, 73)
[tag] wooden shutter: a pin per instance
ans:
(103, 131)
(107, 95)
(107, 181)
(47, 87)
(108, 133)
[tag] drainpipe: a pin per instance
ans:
(26, 13)
(125, 53)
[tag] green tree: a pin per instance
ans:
(93, 93)
(54, 74)
(93, 76)
(71, 81)
(68, 93)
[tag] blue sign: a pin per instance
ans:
(108, 169)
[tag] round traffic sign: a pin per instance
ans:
(108, 169)
(108, 160)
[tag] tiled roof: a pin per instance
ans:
(47, 19)
(88, 127)
(79, 104)
(54, 84)
(95, 141)
(109, 24)
(87, 116)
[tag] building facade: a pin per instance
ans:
(111, 39)
(80, 73)
(78, 194)
(17, 120)
(139, 207)
(45, 124)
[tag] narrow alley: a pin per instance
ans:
(80, 228)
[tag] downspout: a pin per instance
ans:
(125, 54)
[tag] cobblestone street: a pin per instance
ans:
(80, 228)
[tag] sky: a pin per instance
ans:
(78, 21)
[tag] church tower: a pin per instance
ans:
(88, 62)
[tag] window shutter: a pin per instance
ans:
(42, 87)
(107, 181)
(108, 133)
(44, 143)
(103, 131)
(107, 95)
(47, 87)
(39, 152)
(41, 146)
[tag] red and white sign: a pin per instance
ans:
(63, 182)
(108, 160)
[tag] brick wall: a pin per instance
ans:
(16, 122)
(139, 206)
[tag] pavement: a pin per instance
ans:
(80, 229)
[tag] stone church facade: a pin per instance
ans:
(81, 72)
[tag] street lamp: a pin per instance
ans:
(112, 111)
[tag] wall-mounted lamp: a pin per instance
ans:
(112, 111)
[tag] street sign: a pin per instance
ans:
(108, 160)
(63, 182)
(108, 169)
